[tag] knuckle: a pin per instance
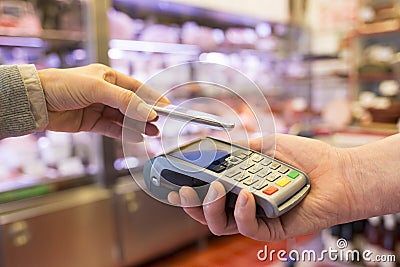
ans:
(110, 75)
(243, 225)
(126, 99)
(247, 233)
(126, 96)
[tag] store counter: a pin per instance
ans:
(69, 228)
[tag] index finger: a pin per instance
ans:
(143, 91)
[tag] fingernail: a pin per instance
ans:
(243, 198)
(212, 192)
(165, 100)
(173, 198)
(155, 119)
(182, 194)
(146, 111)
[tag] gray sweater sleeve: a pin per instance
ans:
(16, 117)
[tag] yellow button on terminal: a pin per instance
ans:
(283, 182)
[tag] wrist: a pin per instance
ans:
(371, 178)
(355, 188)
(50, 80)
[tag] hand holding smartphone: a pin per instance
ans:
(194, 116)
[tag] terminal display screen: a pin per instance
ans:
(204, 153)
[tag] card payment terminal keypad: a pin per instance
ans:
(256, 171)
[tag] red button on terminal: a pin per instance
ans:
(270, 190)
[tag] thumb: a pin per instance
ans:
(264, 144)
(125, 101)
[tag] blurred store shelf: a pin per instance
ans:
(64, 35)
(167, 10)
(21, 41)
(49, 35)
(154, 47)
(375, 62)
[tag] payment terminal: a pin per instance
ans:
(276, 186)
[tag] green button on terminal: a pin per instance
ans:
(293, 174)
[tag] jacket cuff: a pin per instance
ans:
(36, 96)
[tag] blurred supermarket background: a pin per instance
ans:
(329, 69)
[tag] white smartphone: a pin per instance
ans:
(187, 115)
